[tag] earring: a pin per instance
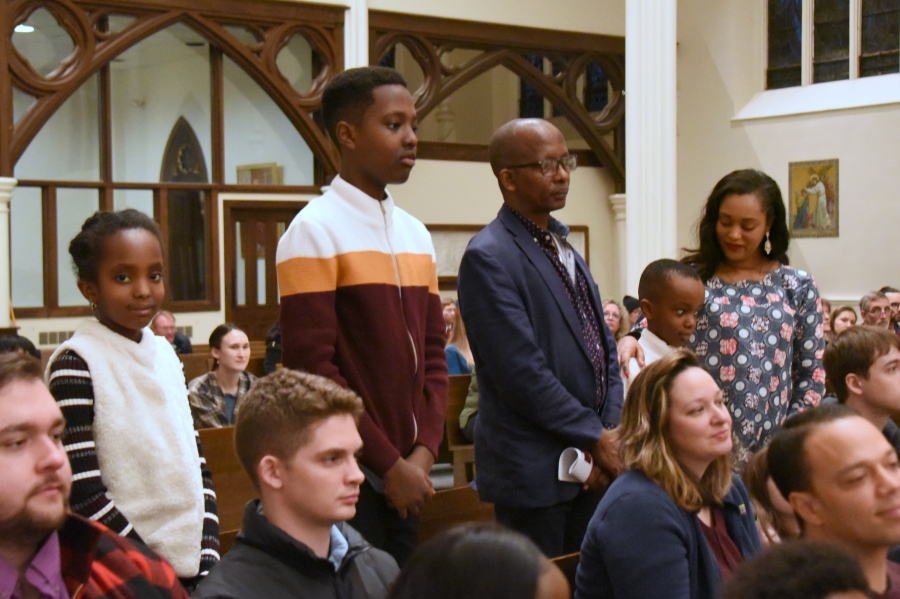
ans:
(93, 306)
(768, 246)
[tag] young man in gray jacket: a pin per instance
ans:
(296, 436)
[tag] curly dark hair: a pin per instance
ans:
(86, 248)
(709, 255)
(797, 570)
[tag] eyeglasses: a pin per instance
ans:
(549, 166)
(879, 311)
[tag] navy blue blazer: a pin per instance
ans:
(640, 544)
(537, 393)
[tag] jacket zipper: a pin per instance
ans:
(387, 236)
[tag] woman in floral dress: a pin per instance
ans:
(760, 333)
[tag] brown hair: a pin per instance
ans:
(15, 366)
(459, 338)
(756, 479)
(647, 445)
(278, 415)
(853, 352)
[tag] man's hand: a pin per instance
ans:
(606, 453)
(407, 487)
(628, 347)
(598, 480)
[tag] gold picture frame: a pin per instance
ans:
(813, 198)
(259, 174)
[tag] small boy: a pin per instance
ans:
(297, 439)
(670, 293)
(360, 303)
(863, 365)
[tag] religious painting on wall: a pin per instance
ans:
(813, 204)
(259, 174)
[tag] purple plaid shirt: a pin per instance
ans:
(579, 294)
(43, 573)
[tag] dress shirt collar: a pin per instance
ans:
(43, 573)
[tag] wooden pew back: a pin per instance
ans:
(452, 507)
(463, 451)
(233, 486)
(569, 565)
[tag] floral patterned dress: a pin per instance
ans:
(763, 342)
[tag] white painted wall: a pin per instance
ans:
(721, 65)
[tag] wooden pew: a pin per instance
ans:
(463, 451)
(452, 507)
(568, 564)
(233, 486)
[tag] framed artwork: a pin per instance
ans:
(813, 206)
(450, 243)
(259, 174)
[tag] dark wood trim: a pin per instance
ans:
(64, 312)
(281, 189)
(50, 232)
(217, 102)
(6, 94)
(273, 11)
(477, 34)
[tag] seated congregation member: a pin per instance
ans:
(44, 550)
(449, 311)
(633, 308)
(863, 365)
(799, 570)
(677, 522)
(615, 318)
(893, 295)
(774, 517)
(875, 309)
(163, 324)
(215, 395)
(296, 436)
(670, 293)
(459, 355)
(469, 414)
(842, 478)
(138, 464)
(480, 561)
(842, 319)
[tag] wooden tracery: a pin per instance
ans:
(428, 39)
(272, 24)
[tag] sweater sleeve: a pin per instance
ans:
(71, 386)
(635, 549)
(432, 412)
(209, 546)
(809, 347)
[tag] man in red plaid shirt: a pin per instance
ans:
(45, 551)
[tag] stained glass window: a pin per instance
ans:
(531, 101)
(880, 37)
(596, 88)
(785, 28)
(831, 40)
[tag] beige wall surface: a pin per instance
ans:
(721, 65)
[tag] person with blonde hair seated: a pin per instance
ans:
(677, 521)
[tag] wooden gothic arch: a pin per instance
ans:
(428, 39)
(271, 24)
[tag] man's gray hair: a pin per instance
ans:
(870, 297)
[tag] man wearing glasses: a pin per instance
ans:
(875, 309)
(548, 375)
(893, 295)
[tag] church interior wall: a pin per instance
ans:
(721, 66)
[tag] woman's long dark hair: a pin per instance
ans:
(474, 561)
(709, 255)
